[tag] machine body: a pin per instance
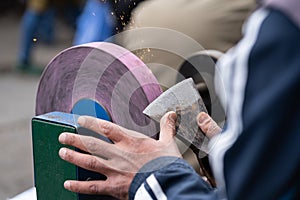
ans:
(50, 171)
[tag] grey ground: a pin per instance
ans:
(17, 104)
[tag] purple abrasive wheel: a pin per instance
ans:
(106, 73)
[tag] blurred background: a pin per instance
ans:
(17, 98)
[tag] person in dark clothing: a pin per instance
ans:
(255, 156)
(38, 22)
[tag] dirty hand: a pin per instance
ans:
(209, 127)
(120, 161)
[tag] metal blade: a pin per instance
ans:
(184, 99)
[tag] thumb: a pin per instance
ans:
(208, 125)
(168, 127)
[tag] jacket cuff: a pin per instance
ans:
(150, 168)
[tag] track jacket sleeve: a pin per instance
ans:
(169, 178)
(264, 161)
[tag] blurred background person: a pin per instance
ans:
(94, 23)
(101, 19)
(38, 23)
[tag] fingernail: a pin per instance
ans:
(67, 184)
(62, 153)
(202, 118)
(62, 138)
(172, 117)
(81, 121)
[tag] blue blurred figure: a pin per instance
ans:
(95, 23)
(34, 24)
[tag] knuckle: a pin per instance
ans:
(171, 124)
(208, 123)
(92, 163)
(106, 128)
(93, 188)
(166, 122)
(205, 128)
(91, 145)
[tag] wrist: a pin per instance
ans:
(152, 167)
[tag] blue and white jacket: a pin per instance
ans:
(257, 156)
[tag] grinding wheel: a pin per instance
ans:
(118, 83)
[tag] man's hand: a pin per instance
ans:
(120, 161)
(209, 127)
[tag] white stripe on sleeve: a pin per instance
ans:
(142, 193)
(238, 58)
(156, 189)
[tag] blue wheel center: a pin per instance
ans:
(91, 108)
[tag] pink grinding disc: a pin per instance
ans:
(106, 73)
